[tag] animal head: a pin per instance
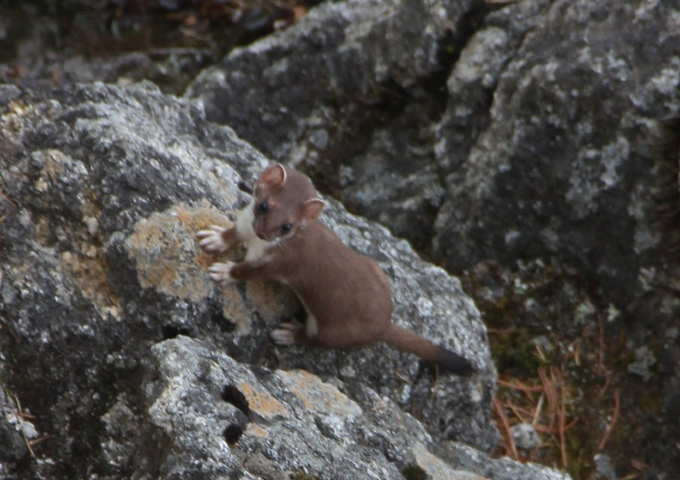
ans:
(285, 200)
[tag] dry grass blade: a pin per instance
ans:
(601, 346)
(537, 410)
(4, 196)
(562, 415)
(517, 385)
(21, 414)
(638, 464)
(551, 396)
(519, 412)
(553, 431)
(401, 377)
(505, 423)
(612, 423)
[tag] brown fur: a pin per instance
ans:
(347, 295)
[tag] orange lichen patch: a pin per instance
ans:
(262, 403)
(90, 209)
(234, 309)
(88, 270)
(271, 300)
(256, 430)
(12, 120)
(54, 164)
(167, 255)
(437, 469)
(42, 229)
(201, 218)
(316, 395)
(53, 167)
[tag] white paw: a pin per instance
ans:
(286, 333)
(221, 272)
(282, 336)
(212, 240)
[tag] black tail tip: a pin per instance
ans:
(454, 363)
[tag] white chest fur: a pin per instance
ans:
(256, 247)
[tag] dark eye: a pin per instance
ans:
(264, 207)
(286, 227)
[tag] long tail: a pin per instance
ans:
(408, 341)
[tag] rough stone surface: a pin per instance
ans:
(525, 137)
(560, 170)
(359, 111)
(102, 190)
(44, 51)
(14, 426)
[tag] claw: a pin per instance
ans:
(221, 272)
(282, 336)
(286, 333)
(212, 240)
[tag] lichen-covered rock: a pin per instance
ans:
(199, 403)
(346, 94)
(103, 189)
(15, 430)
(529, 138)
(564, 167)
(540, 146)
(366, 45)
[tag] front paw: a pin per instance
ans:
(221, 272)
(212, 240)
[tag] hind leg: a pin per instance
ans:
(344, 335)
(289, 333)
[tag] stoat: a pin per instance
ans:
(347, 296)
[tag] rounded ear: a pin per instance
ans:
(311, 209)
(273, 176)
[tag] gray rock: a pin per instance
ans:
(604, 467)
(525, 436)
(375, 95)
(11, 427)
(39, 53)
(278, 91)
(503, 469)
(533, 150)
(644, 361)
(357, 117)
(559, 164)
(528, 136)
(200, 403)
(103, 189)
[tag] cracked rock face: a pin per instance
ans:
(564, 167)
(522, 133)
(357, 111)
(529, 140)
(133, 365)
